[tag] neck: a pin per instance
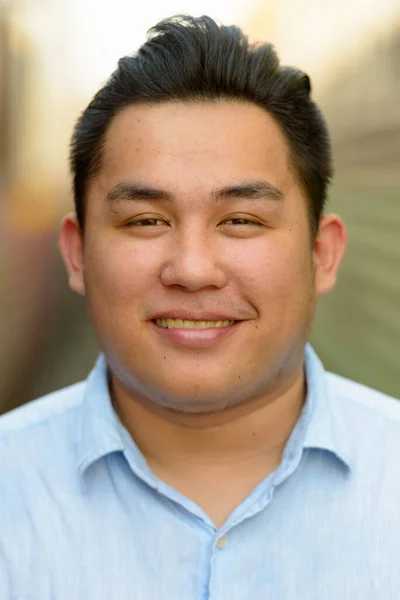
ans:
(252, 433)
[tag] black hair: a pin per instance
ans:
(195, 59)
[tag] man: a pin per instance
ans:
(208, 455)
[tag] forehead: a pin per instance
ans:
(206, 140)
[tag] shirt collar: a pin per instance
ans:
(320, 426)
(99, 431)
(325, 428)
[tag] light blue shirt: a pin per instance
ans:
(82, 516)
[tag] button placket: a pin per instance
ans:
(222, 542)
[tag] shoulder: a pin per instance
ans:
(39, 447)
(371, 423)
(363, 399)
(53, 406)
(35, 432)
(38, 458)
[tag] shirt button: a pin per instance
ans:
(222, 542)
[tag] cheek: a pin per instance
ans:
(294, 289)
(120, 272)
(278, 280)
(277, 268)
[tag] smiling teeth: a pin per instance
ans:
(182, 324)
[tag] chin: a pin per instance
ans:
(194, 399)
(196, 408)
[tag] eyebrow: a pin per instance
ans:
(130, 190)
(249, 189)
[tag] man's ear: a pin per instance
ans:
(328, 252)
(70, 244)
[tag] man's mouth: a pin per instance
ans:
(169, 323)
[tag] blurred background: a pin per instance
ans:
(55, 54)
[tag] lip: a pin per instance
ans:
(195, 338)
(191, 316)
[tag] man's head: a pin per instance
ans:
(200, 175)
(187, 60)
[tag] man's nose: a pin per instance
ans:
(194, 263)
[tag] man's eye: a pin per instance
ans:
(240, 221)
(149, 222)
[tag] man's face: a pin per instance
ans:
(196, 217)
